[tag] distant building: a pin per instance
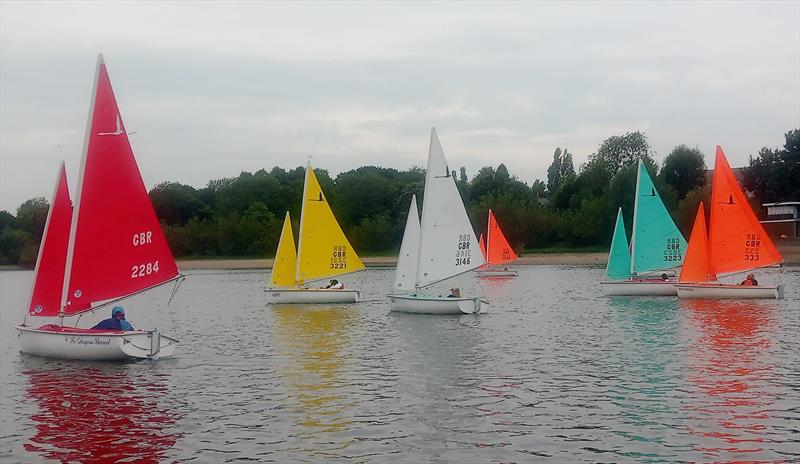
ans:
(783, 219)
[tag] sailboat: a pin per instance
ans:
(109, 246)
(736, 244)
(496, 250)
(323, 252)
(441, 246)
(656, 248)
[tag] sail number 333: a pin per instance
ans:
(752, 245)
(463, 252)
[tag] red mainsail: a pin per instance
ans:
(48, 280)
(737, 239)
(117, 247)
(497, 248)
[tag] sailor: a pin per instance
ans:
(750, 281)
(454, 293)
(335, 285)
(116, 322)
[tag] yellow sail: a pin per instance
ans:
(323, 250)
(285, 264)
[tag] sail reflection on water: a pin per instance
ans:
(729, 377)
(311, 340)
(98, 415)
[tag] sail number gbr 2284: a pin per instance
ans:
(463, 252)
(145, 269)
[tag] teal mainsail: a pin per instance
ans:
(619, 258)
(656, 242)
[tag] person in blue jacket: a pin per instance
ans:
(116, 322)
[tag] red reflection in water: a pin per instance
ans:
(92, 416)
(726, 362)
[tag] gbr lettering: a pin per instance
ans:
(142, 238)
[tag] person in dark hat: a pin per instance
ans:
(116, 322)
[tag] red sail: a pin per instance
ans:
(737, 239)
(117, 246)
(482, 245)
(498, 249)
(695, 266)
(48, 281)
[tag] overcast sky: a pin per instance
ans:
(213, 89)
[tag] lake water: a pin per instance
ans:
(553, 372)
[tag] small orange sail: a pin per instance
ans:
(695, 266)
(482, 245)
(737, 240)
(497, 247)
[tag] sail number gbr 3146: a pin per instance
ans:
(463, 252)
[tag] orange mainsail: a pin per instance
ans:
(695, 266)
(737, 240)
(482, 245)
(497, 248)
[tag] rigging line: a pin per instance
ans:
(178, 283)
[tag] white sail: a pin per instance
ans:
(406, 275)
(448, 245)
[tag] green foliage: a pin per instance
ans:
(773, 174)
(617, 151)
(32, 215)
(560, 169)
(684, 170)
(243, 215)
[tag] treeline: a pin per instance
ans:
(242, 216)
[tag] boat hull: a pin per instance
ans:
(496, 273)
(312, 295)
(95, 346)
(639, 287)
(728, 291)
(435, 305)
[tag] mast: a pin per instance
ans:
(488, 236)
(635, 214)
(79, 189)
(297, 280)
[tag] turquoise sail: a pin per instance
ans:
(619, 258)
(656, 243)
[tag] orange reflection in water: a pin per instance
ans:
(726, 362)
(97, 415)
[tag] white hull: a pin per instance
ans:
(101, 346)
(728, 291)
(496, 273)
(436, 305)
(639, 287)
(312, 295)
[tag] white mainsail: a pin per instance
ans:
(406, 275)
(448, 246)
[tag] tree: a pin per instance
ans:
(560, 169)
(684, 169)
(32, 215)
(773, 174)
(617, 152)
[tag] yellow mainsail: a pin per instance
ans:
(323, 250)
(285, 264)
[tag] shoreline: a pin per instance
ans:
(789, 250)
(390, 261)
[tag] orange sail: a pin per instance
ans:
(695, 266)
(737, 240)
(497, 247)
(482, 245)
